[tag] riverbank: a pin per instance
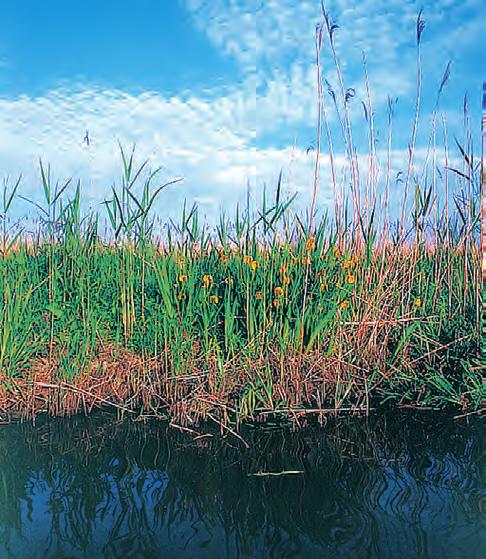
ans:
(210, 331)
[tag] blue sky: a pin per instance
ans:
(147, 45)
(220, 92)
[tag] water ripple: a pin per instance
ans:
(374, 488)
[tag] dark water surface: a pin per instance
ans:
(401, 486)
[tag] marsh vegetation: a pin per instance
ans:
(270, 313)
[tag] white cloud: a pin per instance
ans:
(274, 37)
(206, 141)
(230, 25)
(209, 142)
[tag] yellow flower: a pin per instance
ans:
(344, 305)
(417, 302)
(181, 296)
(214, 299)
(350, 278)
(276, 302)
(247, 259)
(279, 291)
(258, 295)
(254, 265)
(207, 280)
(337, 252)
(183, 278)
(286, 280)
(224, 257)
(322, 287)
(283, 269)
(310, 244)
(306, 260)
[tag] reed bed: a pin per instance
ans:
(269, 314)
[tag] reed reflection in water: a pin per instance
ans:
(378, 487)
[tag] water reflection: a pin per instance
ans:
(380, 487)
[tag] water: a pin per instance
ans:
(393, 487)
